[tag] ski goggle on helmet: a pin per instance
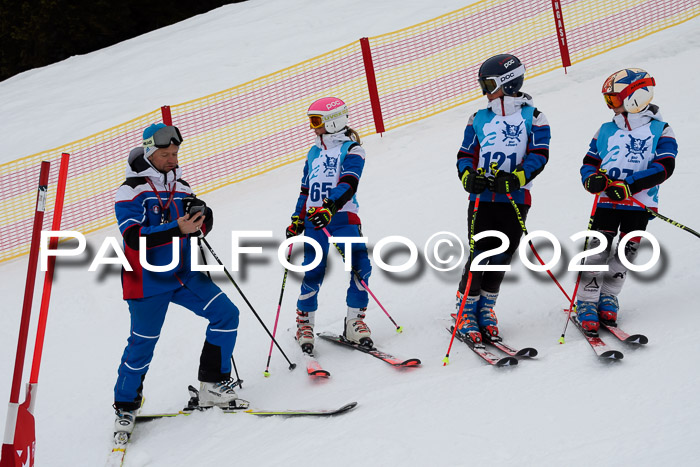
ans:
(504, 71)
(160, 135)
(632, 88)
(328, 112)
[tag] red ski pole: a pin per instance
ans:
(19, 438)
(578, 278)
(446, 360)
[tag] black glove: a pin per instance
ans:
(474, 181)
(321, 216)
(617, 191)
(596, 183)
(296, 227)
(508, 182)
(193, 205)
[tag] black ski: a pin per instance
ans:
(527, 352)
(481, 351)
(390, 359)
(635, 339)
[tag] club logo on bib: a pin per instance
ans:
(512, 134)
(636, 149)
(155, 209)
(330, 166)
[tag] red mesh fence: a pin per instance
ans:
(261, 125)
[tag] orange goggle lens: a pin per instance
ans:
(613, 100)
(315, 121)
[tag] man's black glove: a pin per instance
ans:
(474, 181)
(193, 205)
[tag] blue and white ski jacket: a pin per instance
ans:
(332, 170)
(148, 205)
(512, 133)
(639, 149)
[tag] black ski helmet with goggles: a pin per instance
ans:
(504, 71)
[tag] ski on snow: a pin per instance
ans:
(636, 339)
(121, 440)
(601, 349)
(193, 406)
(390, 359)
(527, 352)
(313, 368)
(483, 352)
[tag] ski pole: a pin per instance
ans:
(664, 218)
(578, 278)
(532, 247)
(239, 381)
(524, 229)
(266, 373)
(446, 360)
(216, 257)
(399, 329)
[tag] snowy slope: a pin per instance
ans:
(565, 408)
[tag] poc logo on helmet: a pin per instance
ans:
(333, 104)
(505, 78)
(509, 63)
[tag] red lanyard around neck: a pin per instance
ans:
(163, 209)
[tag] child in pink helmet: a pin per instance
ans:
(328, 202)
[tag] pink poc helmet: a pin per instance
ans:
(330, 112)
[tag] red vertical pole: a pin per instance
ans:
(13, 430)
(372, 85)
(48, 277)
(561, 34)
(167, 118)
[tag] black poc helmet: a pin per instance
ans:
(501, 71)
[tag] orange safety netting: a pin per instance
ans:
(261, 125)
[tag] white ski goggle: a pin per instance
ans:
(491, 84)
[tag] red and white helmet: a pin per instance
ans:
(330, 112)
(632, 88)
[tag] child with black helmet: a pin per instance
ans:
(506, 145)
(627, 158)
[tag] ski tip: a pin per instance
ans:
(507, 361)
(612, 355)
(637, 339)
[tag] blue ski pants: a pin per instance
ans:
(198, 294)
(357, 296)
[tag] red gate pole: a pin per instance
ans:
(372, 85)
(167, 118)
(561, 34)
(48, 277)
(11, 455)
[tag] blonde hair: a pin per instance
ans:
(353, 135)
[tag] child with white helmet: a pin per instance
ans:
(628, 157)
(328, 202)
